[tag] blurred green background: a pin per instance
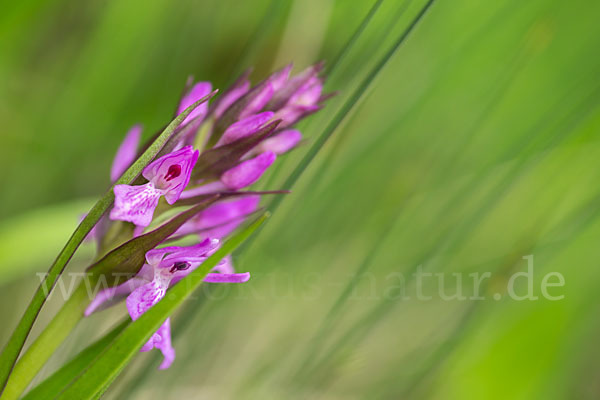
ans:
(477, 145)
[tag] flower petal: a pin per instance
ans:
(245, 127)
(279, 78)
(247, 172)
(309, 93)
(164, 344)
(161, 340)
(198, 91)
(290, 114)
(231, 97)
(166, 256)
(225, 266)
(227, 278)
(171, 172)
(220, 219)
(126, 152)
(294, 85)
(282, 142)
(144, 297)
(108, 297)
(135, 204)
(155, 256)
(212, 187)
(259, 100)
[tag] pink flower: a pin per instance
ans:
(280, 143)
(247, 172)
(167, 176)
(231, 96)
(304, 101)
(245, 127)
(164, 268)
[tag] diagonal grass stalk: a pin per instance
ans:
(332, 66)
(54, 384)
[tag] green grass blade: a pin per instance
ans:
(40, 351)
(54, 384)
(350, 43)
(15, 344)
(107, 367)
(349, 105)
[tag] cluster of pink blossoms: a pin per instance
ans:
(222, 147)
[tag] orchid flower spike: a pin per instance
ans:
(252, 126)
(167, 176)
(164, 267)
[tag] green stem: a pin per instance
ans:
(46, 343)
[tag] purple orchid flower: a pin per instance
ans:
(303, 102)
(241, 112)
(167, 176)
(231, 96)
(164, 267)
(260, 98)
(279, 78)
(245, 127)
(247, 172)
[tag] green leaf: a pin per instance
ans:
(98, 376)
(130, 256)
(54, 384)
(15, 344)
